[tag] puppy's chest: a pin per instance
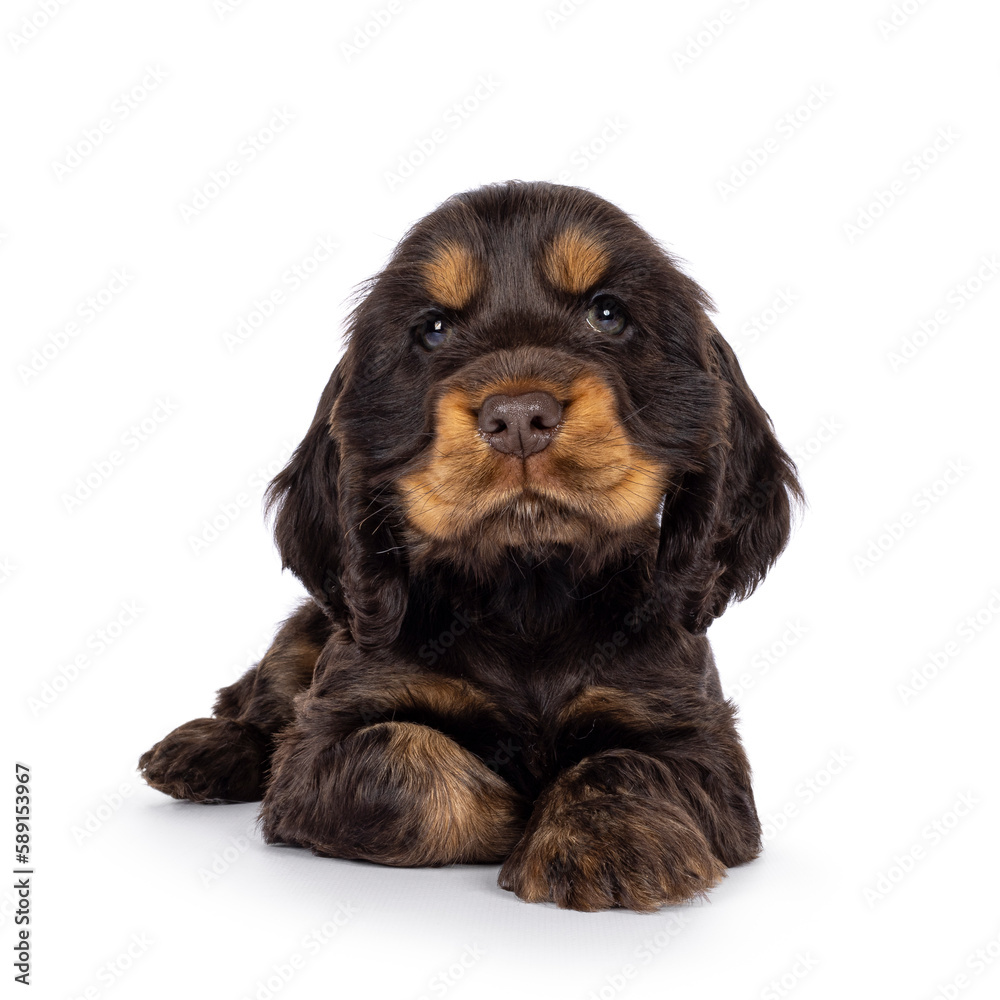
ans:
(530, 729)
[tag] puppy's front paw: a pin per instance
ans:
(611, 851)
(209, 760)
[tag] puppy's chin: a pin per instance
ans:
(533, 521)
(526, 524)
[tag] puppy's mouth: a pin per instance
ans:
(524, 462)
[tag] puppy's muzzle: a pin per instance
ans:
(520, 425)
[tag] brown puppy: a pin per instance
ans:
(534, 479)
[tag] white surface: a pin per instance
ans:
(204, 617)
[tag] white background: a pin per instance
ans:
(858, 893)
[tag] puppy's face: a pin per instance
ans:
(535, 351)
(531, 377)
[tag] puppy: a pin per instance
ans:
(533, 480)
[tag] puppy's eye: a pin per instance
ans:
(432, 332)
(607, 315)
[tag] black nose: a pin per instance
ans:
(520, 425)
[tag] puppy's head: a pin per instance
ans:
(531, 376)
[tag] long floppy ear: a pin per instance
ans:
(307, 526)
(726, 523)
(331, 530)
(373, 576)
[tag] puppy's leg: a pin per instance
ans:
(225, 758)
(398, 793)
(642, 825)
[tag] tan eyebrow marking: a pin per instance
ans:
(575, 262)
(453, 275)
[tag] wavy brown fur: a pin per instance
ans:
(507, 662)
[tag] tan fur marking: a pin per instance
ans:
(289, 664)
(471, 808)
(591, 468)
(444, 696)
(463, 811)
(575, 262)
(624, 707)
(453, 276)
